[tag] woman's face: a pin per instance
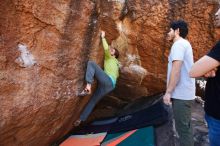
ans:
(112, 51)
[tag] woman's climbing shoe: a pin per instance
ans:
(77, 123)
(84, 92)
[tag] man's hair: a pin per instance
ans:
(182, 25)
(116, 53)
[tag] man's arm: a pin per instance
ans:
(205, 65)
(173, 80)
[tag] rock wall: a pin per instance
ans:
(44, 47)
(143, 26)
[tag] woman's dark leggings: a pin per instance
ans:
(105, 86)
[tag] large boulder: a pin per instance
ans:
(45, 45)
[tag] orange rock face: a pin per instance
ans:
(44, 47)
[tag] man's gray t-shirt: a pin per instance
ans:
(185, 88)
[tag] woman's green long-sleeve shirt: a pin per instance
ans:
(111, 65)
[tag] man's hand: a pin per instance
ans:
(166, 98)
(211, 73)
(102, 34)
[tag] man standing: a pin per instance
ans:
(180, 87)
(208, 66)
